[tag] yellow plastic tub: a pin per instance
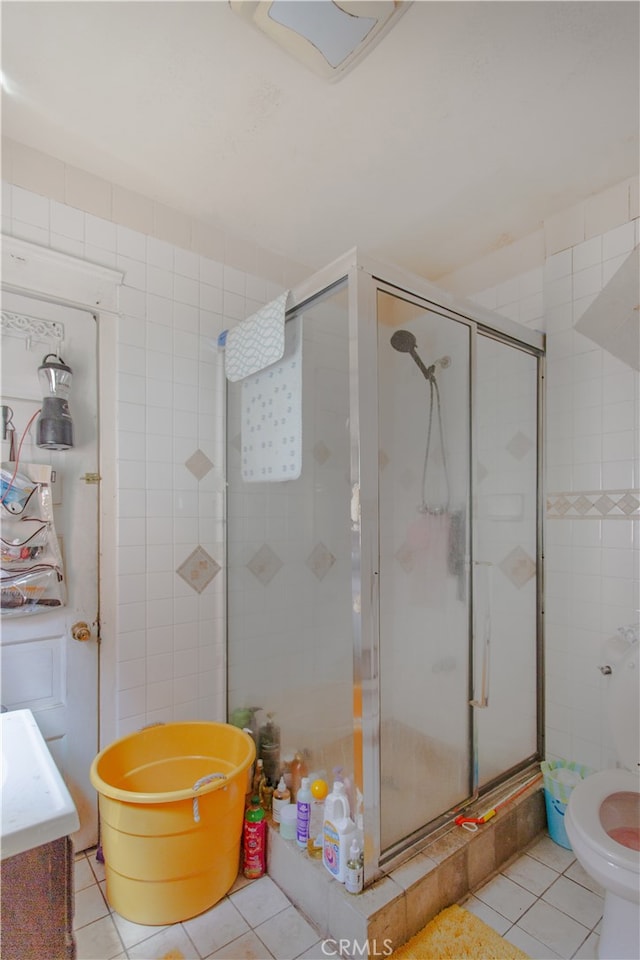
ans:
(171, 801)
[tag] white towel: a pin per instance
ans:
(257, 342)
(271, 425)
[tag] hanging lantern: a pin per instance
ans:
(55, 427)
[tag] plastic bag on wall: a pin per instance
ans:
(31, 571)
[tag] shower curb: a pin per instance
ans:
(396, 906)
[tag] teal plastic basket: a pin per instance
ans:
(560, 777)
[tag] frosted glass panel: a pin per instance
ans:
(423, 376)
(290, 647)
(506, 527)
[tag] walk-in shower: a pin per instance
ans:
(385, 605)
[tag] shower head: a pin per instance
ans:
(403, 341)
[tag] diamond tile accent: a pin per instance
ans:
(199, 464)
(265, 564)
(320, 560)
(321, 452)
(595, 504)
(518, 567)
(582, 505)
(560, 505)
(604, 504)
(519, 445)
(628, 504)
(199, 569)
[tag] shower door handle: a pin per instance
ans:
(482, 628)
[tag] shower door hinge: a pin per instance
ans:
(91, 478)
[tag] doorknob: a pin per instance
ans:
(80, 631)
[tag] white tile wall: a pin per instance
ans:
(592, 431)
(174, 302)
(50, 203)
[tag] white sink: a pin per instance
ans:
(36, 805)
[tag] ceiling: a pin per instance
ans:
(461, 131)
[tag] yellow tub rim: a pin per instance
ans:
(214, 780)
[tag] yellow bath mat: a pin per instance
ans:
(457, 934)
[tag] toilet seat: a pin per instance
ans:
(583, 811)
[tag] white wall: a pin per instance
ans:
(170, 642)
(592, 449)
(184, 283)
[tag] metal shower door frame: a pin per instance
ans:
(364, 276)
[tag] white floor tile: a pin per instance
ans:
(576, 901)
(90, 906)
(489, 916)
(99, 941)
(548, 851)
(554, 928)
(506, 897)
(259, 901)
(531, 874)
(214, 929)
(577, 872)
(534, 948)
(287, 934)
(589, 949)
(170, 941)
(132, 933)
(82, 874)
(314, 952)
(248, 947)
(97, 867)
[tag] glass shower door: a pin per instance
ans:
(505, 557)
(290, 646)
(424, 508)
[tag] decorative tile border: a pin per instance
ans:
(594, 505)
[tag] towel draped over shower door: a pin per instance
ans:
(265, 353)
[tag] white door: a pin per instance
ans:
(43, 667)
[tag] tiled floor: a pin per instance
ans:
(542, 901)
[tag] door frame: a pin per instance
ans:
(46, 274)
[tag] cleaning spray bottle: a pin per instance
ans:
(337, 833)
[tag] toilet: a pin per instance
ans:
(602, 818)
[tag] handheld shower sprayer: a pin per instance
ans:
(404, 342)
